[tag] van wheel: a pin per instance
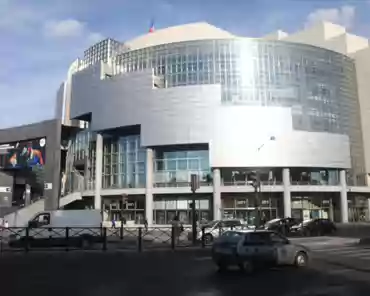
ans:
(86, 243)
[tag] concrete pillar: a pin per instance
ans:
(149, 186)
(98, 171)
(287, 200)
(27, 195)
(343, 197)
(216, 194)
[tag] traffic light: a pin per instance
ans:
(192, 205)
(252, 176)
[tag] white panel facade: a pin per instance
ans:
(195, 114)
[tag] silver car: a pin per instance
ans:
(251, 249)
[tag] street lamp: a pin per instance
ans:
(194, 185)
(256, 177)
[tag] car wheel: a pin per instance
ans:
(208, 238)
(301, 260)
(246, 266)
(221, 266)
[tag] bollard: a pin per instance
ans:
(67, 239)
(104, 238)
(220, 231)
(121, 232)
(203, 238)
(140, 240)
(26, 246)
(173, 238)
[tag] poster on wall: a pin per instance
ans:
(24, 154)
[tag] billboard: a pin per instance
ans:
(23, 154)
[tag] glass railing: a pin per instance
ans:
(180, 178)
(315, 183)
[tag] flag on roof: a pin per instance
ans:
(151, 29)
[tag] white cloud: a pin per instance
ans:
(64, 28)
(344, 16)
(70, 28)
(32, 64)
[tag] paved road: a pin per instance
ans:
(165, 273)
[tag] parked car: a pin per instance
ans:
(214, 229)
(314, 227)
(251, 249)
(281, 225)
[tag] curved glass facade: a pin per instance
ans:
(318, 84)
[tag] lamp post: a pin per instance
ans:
(194, 186)
(257, 186)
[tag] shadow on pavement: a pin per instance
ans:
(159, 273)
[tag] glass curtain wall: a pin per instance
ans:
(123, 162)
(174, 168)
(244, 207)
(312, 176)
(166, 209)
(305, 207)
(358, 210)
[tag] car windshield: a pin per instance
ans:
(231, 236)
(210, 224)
(273, 221)
(307, 222)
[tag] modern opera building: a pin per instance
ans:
(195, 99)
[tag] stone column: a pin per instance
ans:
(98, 171)
(216, 194)
(343, 197)
(287, 200)
(149, 186)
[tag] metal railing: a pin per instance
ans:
(26, 239)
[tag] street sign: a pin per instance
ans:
(194, 182)
(48, 186)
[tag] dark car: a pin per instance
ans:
(314, 227)
(281, 225)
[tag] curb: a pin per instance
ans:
(193, 251)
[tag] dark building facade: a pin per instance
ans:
(30, 154)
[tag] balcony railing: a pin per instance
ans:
(249, 183)
(180, 178)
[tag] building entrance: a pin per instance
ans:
(307, 207)
(247, 208)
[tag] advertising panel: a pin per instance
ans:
(23, 154)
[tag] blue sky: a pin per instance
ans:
(40, 38)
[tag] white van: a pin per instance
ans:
(79, 228)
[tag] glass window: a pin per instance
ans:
(171, 165)
(182, 164)
(194, 164)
